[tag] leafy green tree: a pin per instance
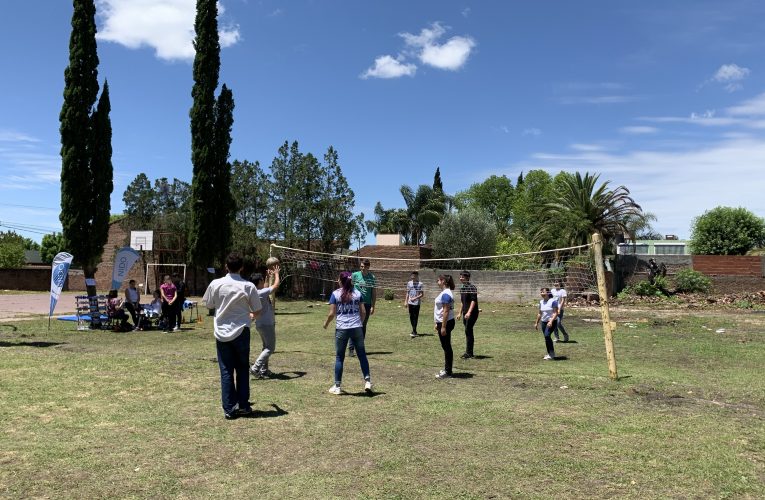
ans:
(211, 121)
(86, 170)
(581, 207)
(52, 244)
(250, 188)
(528, 202)
(140, 202)
(494, 196)
(309, 202)
(389, 221)
(11, 250)
(285, 192)
(360, 228)
(726, 231)
(468, 233)
(335, 208)
(512, 245)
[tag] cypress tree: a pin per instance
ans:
(86, 170)
(211, 121)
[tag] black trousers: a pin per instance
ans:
(414, 316)
(446, 345)
(469, 338)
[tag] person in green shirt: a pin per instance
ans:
(364, 281)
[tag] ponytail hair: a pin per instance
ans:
(448, 280)
(346, 285)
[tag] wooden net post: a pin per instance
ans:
(608, 333)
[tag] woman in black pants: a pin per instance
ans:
(443, 314)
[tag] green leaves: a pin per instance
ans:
(727, 231)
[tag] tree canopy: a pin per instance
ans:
(727, 231)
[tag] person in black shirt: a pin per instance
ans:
(469, 311)
(180, 290)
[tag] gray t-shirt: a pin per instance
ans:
(266, 317)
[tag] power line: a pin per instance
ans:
(28, 206)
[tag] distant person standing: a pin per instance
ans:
(266, 322)
(180, 290)
(443, 315)
(548, 311)
(414, 293)
(560, 295)
(169, 295)
(236, 302)
(468, 312)
(345, 304)
(364, 281)
(133, 301)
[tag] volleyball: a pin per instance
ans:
(271, 262)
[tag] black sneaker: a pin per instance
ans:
(413, 335)
(466, 356)
(231, 416)
(352, 353)
(246, 412)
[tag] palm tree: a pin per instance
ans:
(424, 210)
(582, 208)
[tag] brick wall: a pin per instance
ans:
(728, 265)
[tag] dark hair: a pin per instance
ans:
(448, 280)
(416, 272)
(465, 274)
(234, 262)
(547, 291)
(255, 277)
(346, 283)
(112, 293)
(366, 262)
(131, 281)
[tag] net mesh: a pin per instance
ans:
(501, 278)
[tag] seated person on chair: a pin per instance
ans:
(115, 310)
(132, 301)
(151, 312)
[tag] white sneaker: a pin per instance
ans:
(442, 374)
(368, 386)
(548, 357)
(335, 389)
(176, 328)
(556, 339)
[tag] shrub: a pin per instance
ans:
(647, 289)
(388, 294)
(689, 281)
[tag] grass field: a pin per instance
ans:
(102, 414)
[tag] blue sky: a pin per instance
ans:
(666, 98)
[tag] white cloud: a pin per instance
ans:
(587, 147)
(167, 26)
(638, 130)
(532, 131)
(451, 55)
(466, 12)
(598, 99)
(730, 73)
(13, 136)
(388, 67)
(751, 107)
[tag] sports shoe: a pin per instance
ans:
(255, 371)
(368, 385)
(176, 328)
(556, 339)
(442, 374)
(548, 358)
(565, 338)
(265, 373)
(335, 389)
(351, 352)
(246, 412)
(466, 356)
(413, 335)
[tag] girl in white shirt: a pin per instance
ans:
(548, 312)
(443, 315)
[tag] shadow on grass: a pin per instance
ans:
(276, 412)
(364, 394)
(30, 344)
(567, 342)
(12, 328)
(425, 334)
(287, 375)
(462, 375)
(371, 353)
(291, 313)
(481, 356)
(560, 358)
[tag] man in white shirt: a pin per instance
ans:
(560, 296)
(236, 302)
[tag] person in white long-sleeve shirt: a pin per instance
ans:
(236, 303)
